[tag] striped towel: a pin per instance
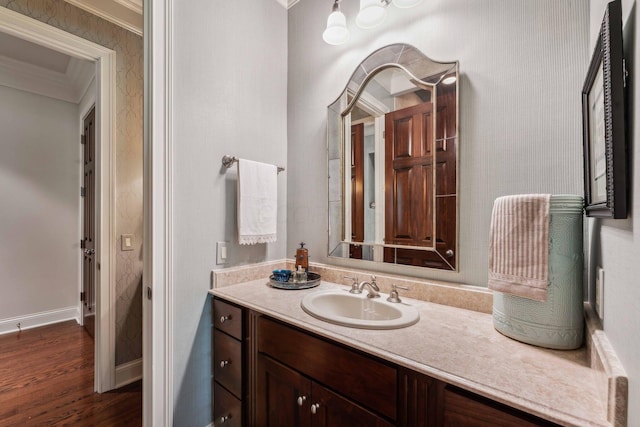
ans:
(519, 246)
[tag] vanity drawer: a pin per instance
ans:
(227, 318)
(227, 409)
(354, 375)
(227, 362)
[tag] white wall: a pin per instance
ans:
(522, 65)
(615, 244)
(230, 86)
(39, 204)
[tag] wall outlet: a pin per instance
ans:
(600, 292)
(221, 253)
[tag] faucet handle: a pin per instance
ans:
(353, 279)
(354, 284)
(393, 295)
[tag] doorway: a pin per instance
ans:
(87, 244)
(34, 31)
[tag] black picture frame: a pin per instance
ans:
(603, 122)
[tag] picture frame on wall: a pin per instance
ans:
(603, 122)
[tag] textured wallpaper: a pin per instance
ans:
(522, 65)
(129, 121)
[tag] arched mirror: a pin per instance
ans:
(392, 161)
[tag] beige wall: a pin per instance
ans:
(129, 87)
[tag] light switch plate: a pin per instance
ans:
(600, 292)
(126, 242)
(221, 253)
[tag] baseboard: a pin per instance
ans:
(38, 319)
(128, 372)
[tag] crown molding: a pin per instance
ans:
(285, 3)
(69, 87)
(115, 11)
(135, 5)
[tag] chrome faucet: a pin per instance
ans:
(373, 288)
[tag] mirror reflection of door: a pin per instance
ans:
(357, 190)
(88, 226)
(421, 149)
(409, 176)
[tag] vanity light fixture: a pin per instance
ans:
(371, 14)
(337, 31)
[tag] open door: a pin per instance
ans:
(88, 223)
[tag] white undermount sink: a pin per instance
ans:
(357, 311)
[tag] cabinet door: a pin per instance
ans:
(329, 410)
(465, 409)
(283, 395)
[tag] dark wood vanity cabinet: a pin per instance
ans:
(229, 367)
(278, 375)
(303, 380)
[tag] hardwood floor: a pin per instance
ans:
(46, 379)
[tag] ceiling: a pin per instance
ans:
(33, 68)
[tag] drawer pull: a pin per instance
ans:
(301, 400)
(224, 419)
(314, 408)
(225, 318)
(224, 363)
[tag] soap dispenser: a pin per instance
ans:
(302, 257)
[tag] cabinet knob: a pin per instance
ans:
(301, 400)
(225, 318)
(224, 363)
(224, 418)
(449, 253)
(314, 408)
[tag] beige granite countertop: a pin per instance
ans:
(460, 347)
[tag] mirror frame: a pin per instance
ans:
(412, 62)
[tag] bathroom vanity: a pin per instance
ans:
(450, 368)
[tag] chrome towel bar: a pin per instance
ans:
(228, 161)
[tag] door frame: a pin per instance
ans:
(27, 28)
(157, 312)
